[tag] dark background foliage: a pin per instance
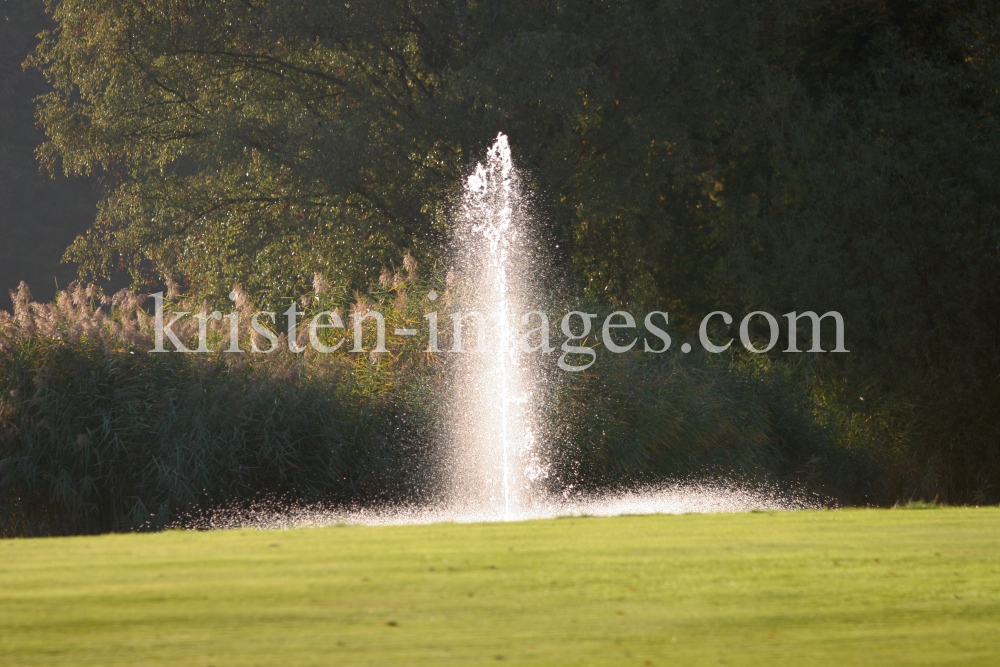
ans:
(98, 442)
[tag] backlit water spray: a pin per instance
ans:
(495, 467)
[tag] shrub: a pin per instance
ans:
(98, 435)
(642, 419)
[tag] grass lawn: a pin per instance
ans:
(849, 587)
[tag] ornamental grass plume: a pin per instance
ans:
(133, 324)
(121, 321)
(242, 299)
(410, 264)
(244, 310)
(76, 312)
(6, 324)
(320, 284)
(302, 335)
(361, 305)
(173, 290)
(401, 302)
(22, 309)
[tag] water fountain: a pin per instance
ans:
(496, 465)
(497, 460)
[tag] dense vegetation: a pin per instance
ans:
(769, 154)
(97, 434)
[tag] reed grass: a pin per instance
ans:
(97, 434)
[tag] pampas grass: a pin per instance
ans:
(97, 434)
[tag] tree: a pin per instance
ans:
(249, 143)
(877, 196)
(261, 142)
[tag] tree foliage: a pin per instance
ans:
(877, 196)
(260, 142)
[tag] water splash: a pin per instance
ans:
(692, 497)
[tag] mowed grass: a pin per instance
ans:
(849, 587)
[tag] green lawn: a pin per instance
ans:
(850, 587)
